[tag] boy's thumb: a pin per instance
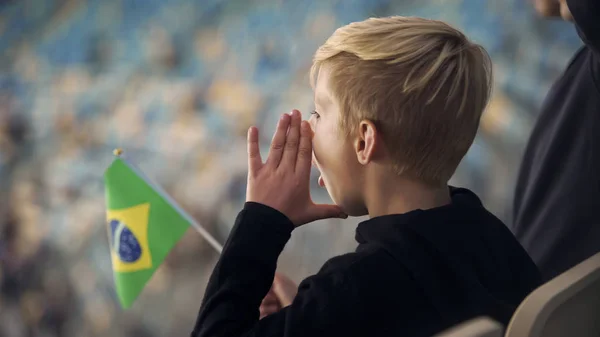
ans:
(327, 211)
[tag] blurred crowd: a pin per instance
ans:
(176, 84)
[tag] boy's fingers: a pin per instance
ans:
(304, 160)
(268, 310)
(282, 279)
(270, 298)
(254, 160)
(285, 290)
(278, 141)
(290, 151)
(318, 212)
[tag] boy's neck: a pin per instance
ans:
(399, 195)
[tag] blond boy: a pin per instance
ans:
(398, 102)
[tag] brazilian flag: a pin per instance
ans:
(143, 226)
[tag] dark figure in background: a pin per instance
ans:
(557, 197)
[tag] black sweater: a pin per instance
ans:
(557, 197)
(412, 274)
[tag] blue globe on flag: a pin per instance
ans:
(124, 242)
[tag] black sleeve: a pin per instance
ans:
(587, 19)
(244, 274)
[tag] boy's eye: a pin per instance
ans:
(315, 113)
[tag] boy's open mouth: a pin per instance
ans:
(321, 181)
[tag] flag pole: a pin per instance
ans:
(201, 230)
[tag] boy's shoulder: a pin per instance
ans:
(372, 286)
(365, 257)
(368, 270)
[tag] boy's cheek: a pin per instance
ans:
(312, 122)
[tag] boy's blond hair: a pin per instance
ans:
(421, 82)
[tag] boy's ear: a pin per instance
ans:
(366, 141)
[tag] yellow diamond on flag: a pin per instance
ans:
(128, 233)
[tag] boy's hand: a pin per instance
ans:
(285, 289)
(269, 305)
(283, 181)
(281, 295)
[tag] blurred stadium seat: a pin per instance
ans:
(567, 305)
